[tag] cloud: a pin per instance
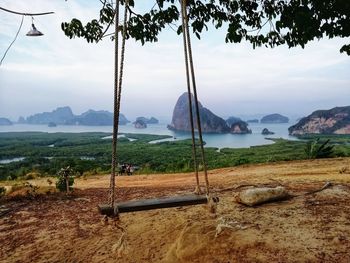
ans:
(42, 73)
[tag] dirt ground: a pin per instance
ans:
(306, 228)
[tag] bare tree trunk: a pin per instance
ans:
(67, 183)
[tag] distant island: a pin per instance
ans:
(210, 122)
(151, 120)
(140, 124)
(253, 121)
(274, 118)
(237, 126)
(5, 122)
(65, 116)
(333, 121)
(266, 131)
(52, 124)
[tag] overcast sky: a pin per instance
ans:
(42, 73)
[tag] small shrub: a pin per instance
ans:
(32, 190)
(240, 161)
(315, 149)
(65, 180)
(31, 176)
(344, 170)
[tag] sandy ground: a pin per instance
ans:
(306, 228)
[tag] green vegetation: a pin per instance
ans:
(260, 22)
(316, 149)
(88, 153)
(65, 179)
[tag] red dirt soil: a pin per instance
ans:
(306, 228)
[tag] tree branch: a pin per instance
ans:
(26, 14)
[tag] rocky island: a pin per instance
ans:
(65, 116)
(5, 122)
(151, 120)
(274, 118)
(140, 124)
(210, 122)
(237, 126)
(333, 121)
(181, 121)
(266, 131)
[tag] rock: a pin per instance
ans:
(5, 122)
(256, 196)
(266, 131)
(274, 118)
(210, 122)
(239, 127)
(139, 124)
(333, 121)
(253, 121)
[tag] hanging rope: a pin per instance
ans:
(115, 106)
(194, 150)
(190, 58)
(118, 81)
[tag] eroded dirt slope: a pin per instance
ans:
(306, 228)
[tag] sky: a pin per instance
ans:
(42, 73)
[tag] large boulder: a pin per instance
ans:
(274, 118)
(210, 122)
(256, 196)
(333, 121)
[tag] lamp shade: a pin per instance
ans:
(34, 32)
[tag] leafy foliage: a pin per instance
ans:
(65, 177)
(260, 22)
(316, 149)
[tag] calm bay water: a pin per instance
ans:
(212, 140)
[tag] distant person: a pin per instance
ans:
(130, 169)
(123, 169)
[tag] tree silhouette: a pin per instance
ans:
(267, 23)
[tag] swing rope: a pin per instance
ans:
(118, 81)
(188, 54)
(194, 149)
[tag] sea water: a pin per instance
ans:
(211, 140)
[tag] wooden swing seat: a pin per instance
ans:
(155, 203)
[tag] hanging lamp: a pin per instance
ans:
(34, 32)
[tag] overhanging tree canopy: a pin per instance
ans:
(261, 22)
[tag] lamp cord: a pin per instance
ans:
(13, 41)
